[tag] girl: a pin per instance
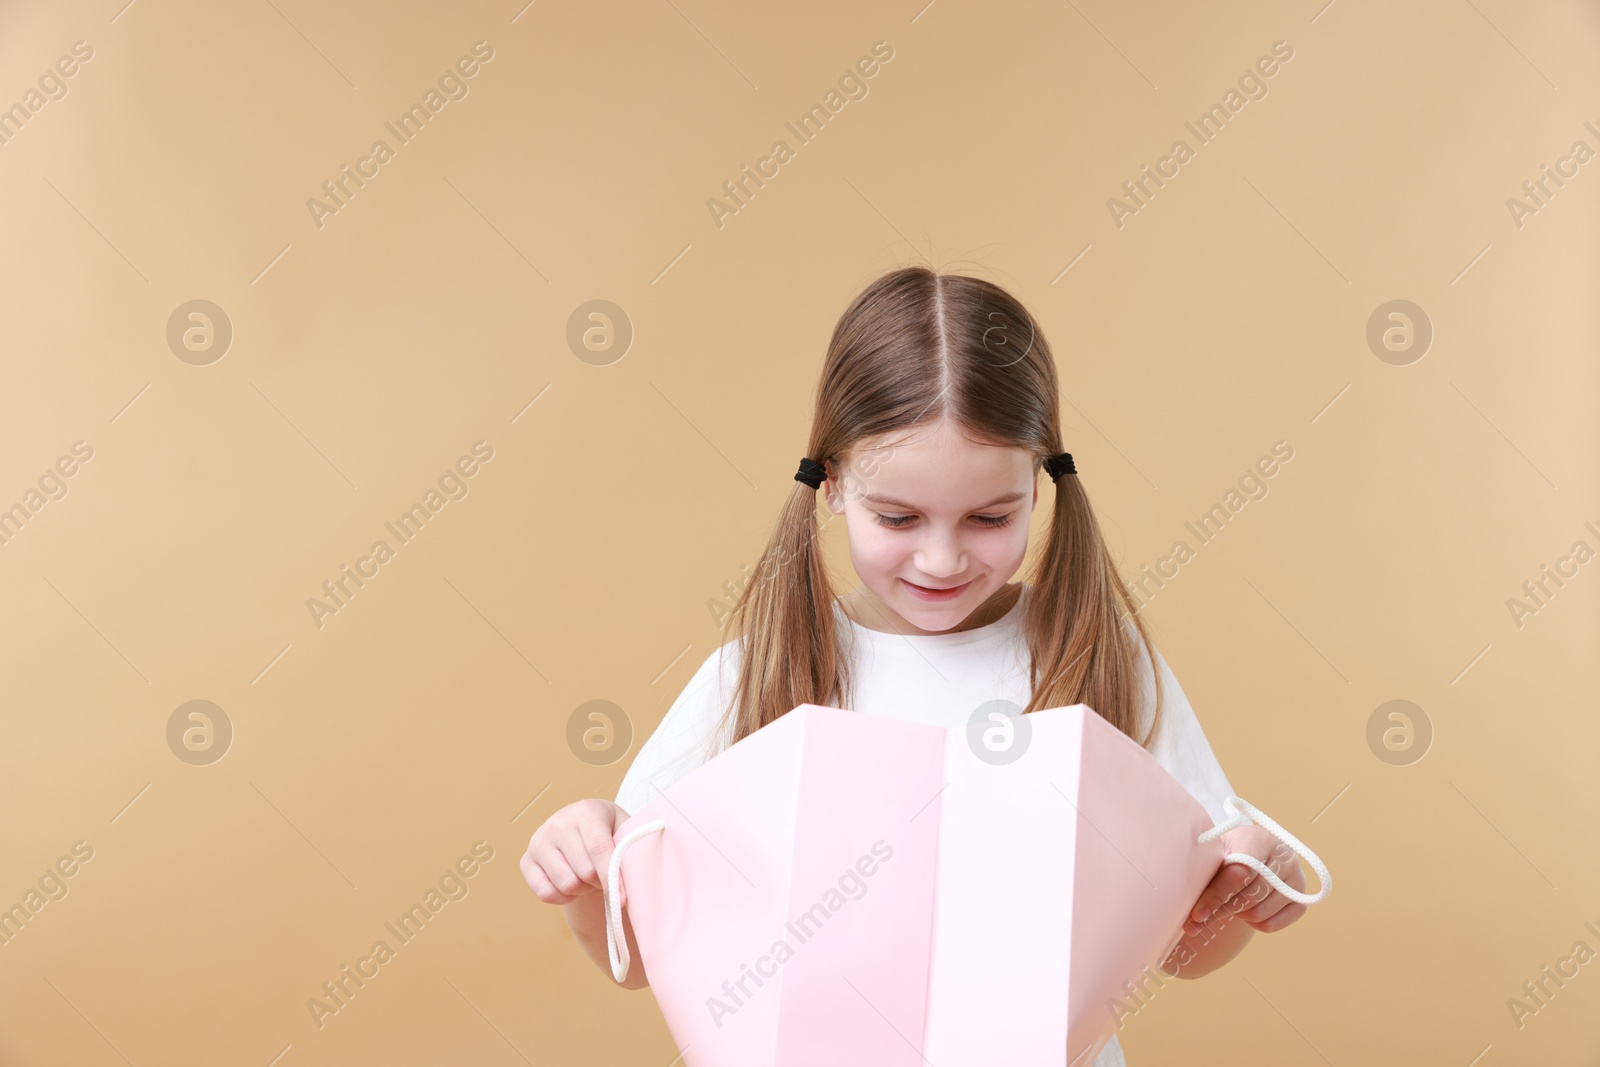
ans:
(937, 408)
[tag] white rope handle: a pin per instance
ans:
(616, 937)
(1243, 811)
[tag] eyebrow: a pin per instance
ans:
(1009, 498)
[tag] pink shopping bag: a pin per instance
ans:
(867, 892)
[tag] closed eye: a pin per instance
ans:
(900, 522)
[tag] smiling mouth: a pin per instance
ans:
(934, 589)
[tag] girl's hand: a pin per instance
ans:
(1209, 938)
(1242, 892)
(569, 855)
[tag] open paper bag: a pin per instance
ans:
(859, 891)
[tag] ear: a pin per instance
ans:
(833, 497)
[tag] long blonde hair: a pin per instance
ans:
(914, 347)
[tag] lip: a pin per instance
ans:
(935, 596)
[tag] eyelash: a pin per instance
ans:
(899, 522)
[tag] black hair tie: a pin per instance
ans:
(811, 473)
(814, 474)
(1059, 464)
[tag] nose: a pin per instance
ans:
(941, 555)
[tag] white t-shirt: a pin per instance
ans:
(937, 679)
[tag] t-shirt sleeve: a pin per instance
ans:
(1180, 745)
(688, 734)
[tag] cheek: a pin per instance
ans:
(873, 548)
(999, 546)
(1013, 546)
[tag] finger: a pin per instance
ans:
(1285, 863)
(1249, 895)
(1272, 900)
(596, 858)
(534, 876)
(575, 851)
(1228, 880)
(560, 872)
(1266, 907)
(1281, 918)
(540, 883)
(1253, 881)
(1214, 921)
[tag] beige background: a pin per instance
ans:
(431, 312)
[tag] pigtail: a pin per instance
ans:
(784, 617)
(1075, 620)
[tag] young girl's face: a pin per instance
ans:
(934, 511)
